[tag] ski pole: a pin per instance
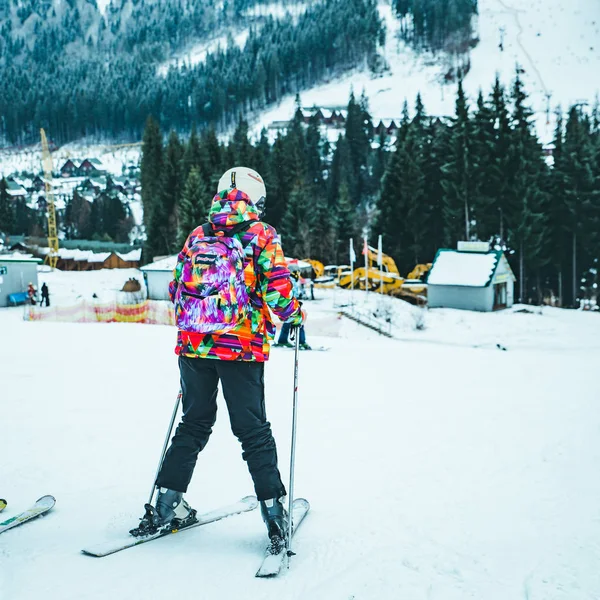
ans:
(164, 450)
(293, 448)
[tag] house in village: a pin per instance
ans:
(87, 260)
(14, 189)
(74, 167)
(157, 276)
(472, 277)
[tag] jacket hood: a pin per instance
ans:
(231, 207)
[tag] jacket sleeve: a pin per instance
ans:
(178, 269)
(276, 284)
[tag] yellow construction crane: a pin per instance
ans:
(52, 256)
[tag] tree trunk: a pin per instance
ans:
(574, 269)
(521, 273)
(560, 289)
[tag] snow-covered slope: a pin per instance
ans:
(198, 52)
(433, 470)
(556, 43)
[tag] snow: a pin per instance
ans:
(112, 156)
(561, 61)
(164, 264)
(70, 287)
(198, 53)
(132, 256)
(462, 268)
(277, 10)
(103, 5)
(18, 257)
(434, 470)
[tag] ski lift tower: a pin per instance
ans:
(52, 256)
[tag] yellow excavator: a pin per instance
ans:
(317, 266)
(388, 280)
(414, 287)
(374, 279)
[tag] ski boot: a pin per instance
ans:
(305, 346)
(284, 345)
(172, 512)
(276, 519)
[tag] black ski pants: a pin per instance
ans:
(244, 391)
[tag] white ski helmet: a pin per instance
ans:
(246, 180)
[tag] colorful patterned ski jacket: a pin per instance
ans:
(267, 280)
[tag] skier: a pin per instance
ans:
(31, 294)
(285, 328)
(45, 295)
(235, 356)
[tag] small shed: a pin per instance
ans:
(118, 260)
(16, 272)
(473, 277)
(157, 276)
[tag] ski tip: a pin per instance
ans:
(47, 500)
(303, 502)
(251, 501)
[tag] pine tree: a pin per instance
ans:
(261, 160)
(438, 135)
(193, 206)
(487, 176)
(345, 221)
(499, 174)
(557, 215)
(192, 156)
(527, 196)
(7, 213)
(416, 217)
(357, 138)
(213, 166)
(243, 151)
(151, 168)
(298, 222)
(457, 181)
(577, 172)
(171, 186)
(288, 170)
(390, 222)
(151, 175)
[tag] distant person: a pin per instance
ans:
(31, 294)
(45, 295)
(285, 327)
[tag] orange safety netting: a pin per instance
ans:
(153, 312)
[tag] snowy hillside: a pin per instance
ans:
(556, 43)
(434, 470)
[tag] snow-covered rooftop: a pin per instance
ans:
(98, 257)
(18, 257)
(165, 264)
(473, 269)
(132, 256)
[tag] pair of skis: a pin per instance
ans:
(41, 507)
(272, 562)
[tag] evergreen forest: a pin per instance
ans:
(479, 175)
(75, 72)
